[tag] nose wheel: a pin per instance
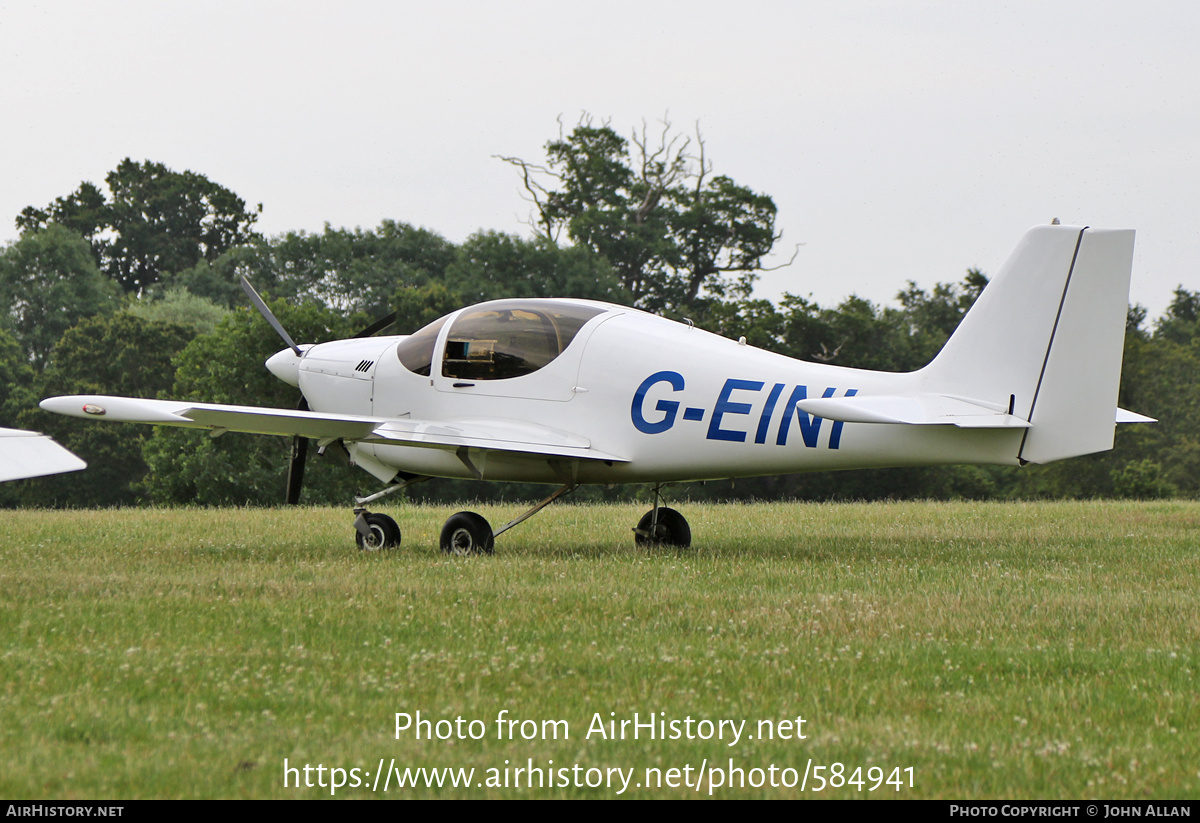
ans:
(375, 532)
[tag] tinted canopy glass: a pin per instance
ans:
(511, 338)
(416, 350)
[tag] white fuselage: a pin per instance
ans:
(676, 402)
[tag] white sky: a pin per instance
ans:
(900, 140)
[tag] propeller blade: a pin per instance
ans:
(270, 318)
(295, 478)
(378, 326)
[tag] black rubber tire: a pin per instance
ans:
(672, 529)
(385, 534)
(466, 534)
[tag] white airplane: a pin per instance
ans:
(31, 454)
(574, 391)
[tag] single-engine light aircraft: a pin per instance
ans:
(574, 391)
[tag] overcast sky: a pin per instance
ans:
(900, 140)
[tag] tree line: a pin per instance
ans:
(132, 289)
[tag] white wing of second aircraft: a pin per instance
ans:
(494, 434)
(30, 454)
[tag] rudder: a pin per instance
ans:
(1046, 338)
(1074, 408)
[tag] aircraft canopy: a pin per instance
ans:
(498, 340)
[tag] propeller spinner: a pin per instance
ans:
(285, 364)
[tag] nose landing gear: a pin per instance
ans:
(374, 532)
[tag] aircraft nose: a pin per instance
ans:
(285, 364)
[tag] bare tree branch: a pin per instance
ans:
(791, 260)
(537, 194)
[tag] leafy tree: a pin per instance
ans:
(346, 270)
(418, 306)
(1161, 378)
(855, 333)
(219, 282)
(1181, 322)
(16, 397)
(359, 270)
(933, 316)
(16, 380)
(179, 306)
(492, 265)
(865, 336)
(116, 354)
(673, 233)
(48, 283)
(1142, 480)
(760, 321)
(1134, 320)
(153, 220)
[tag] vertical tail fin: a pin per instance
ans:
(1045, 337)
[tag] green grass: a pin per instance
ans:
(999, 650)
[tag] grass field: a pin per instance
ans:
(975, 650)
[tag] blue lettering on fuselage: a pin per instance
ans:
(669, 408)
(725, 406)
(723, 421)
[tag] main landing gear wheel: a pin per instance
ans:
(381, 532)
(467, 533)
(671, 529)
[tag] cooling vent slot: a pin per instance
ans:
(364, 366)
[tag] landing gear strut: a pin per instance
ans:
(662, 526)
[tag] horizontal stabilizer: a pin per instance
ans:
(913, 410)
(1126, 416)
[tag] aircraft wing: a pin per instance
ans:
(30, 454)
(491, 433)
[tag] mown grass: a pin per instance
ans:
(1000, 650)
